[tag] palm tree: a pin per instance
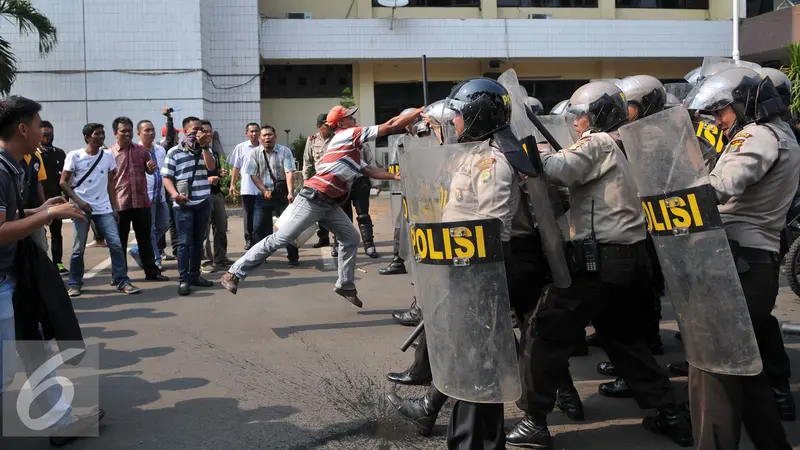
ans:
(29, 20)
(793, 72)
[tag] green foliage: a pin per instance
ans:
(29, 20)
(298, 146)
(347, 100)
(793, 72)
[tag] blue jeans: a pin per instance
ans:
(108, 226)
(51, 398)
(192, 223)
(305, 213)
(159, 213)
(263, 212)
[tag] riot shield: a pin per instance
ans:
(715, 64)
(394, 186)
(561, 129)
(538, 191)
(682, 217)
(676, 92)
(461, 280)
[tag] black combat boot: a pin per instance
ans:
(616, 389)
(785, 402)
(409, 317)
(530, 432)
(673, 422)
(568, 401)
(396, 267)
(367, 237)
(421, 412)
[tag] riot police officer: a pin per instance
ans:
(610, 270)
(754, 181)
(486, 183)
(645, 95)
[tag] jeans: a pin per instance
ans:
(248, 204)
(262, 221)
(192, 223)
(51, 398)
(305, 212)
(159, 214)
(219, 222)
(106, 224)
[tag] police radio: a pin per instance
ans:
(591, 249)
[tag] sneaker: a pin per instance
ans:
(79, 425)
(160, 267)
(129, 289)
(74, 291)
(351, 295)
(168, 257)
(61, 269)
(208, 268)
(230, 282)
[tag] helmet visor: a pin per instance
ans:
(711, 95)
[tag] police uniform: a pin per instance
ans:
(312, 155)
(751, 179)
(603, 208)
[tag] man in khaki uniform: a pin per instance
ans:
(316, 145)
(755, 179)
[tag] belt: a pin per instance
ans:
(311, 193)
(757, 255)
(618, 251)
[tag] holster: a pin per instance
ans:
(744, 256)
(619, 264)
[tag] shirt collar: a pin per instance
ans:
(15, 165)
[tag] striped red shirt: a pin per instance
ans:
(342, 162)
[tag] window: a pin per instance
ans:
(547, 3)
(306, 81)
(437, 3)
(663, 4)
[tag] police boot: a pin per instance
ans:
(397, 266)
(420, 412)
(530, 432)
(785, 403)
(568, 401)
(365, 226)
(616, 389)
(673, 422)
(410, 317)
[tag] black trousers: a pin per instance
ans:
(322, 233)
(248, 207)
(722, 403)
(651, 306)
(476, 426)
(421, 367)
(613, 309)
(56, 241)
(359, 199)
(142, 228)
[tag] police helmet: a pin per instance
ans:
(781, 82)
(646, 92)
(602, 102)
(536, 106)
(713, 65)
(561, 108)
(437, 112)
(693, 75)
(484, 104)
(410, 127)
(753, 97)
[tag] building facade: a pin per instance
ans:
(283, 62)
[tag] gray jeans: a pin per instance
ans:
(219, 223)
(305, 213)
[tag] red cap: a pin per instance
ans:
(338, 113)
(164, 131)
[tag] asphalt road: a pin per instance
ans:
(287, 364)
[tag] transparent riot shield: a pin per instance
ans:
(538, 190)
(394, 186)
(561, 129)
(461, 280)
(692, 246)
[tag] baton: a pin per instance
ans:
(539, 126)
(424, 81)
(791, 328)
(414, 335)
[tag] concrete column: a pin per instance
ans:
(364, 10)
(364, 92)
(608, 9)
(488, 9)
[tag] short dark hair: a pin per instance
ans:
(121, 120)
(46, 124)
(89, 128)
(269, 127)
(252, 124)
(142, 122)
(206, 122)
(15, 110)
(189, 119)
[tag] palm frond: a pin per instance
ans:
(793, 72)
(8, 67)
(30, 20)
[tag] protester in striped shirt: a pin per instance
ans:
(321, 197)
(185, 175)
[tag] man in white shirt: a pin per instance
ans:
(88, 181)
(238, 158)
(159, 211)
